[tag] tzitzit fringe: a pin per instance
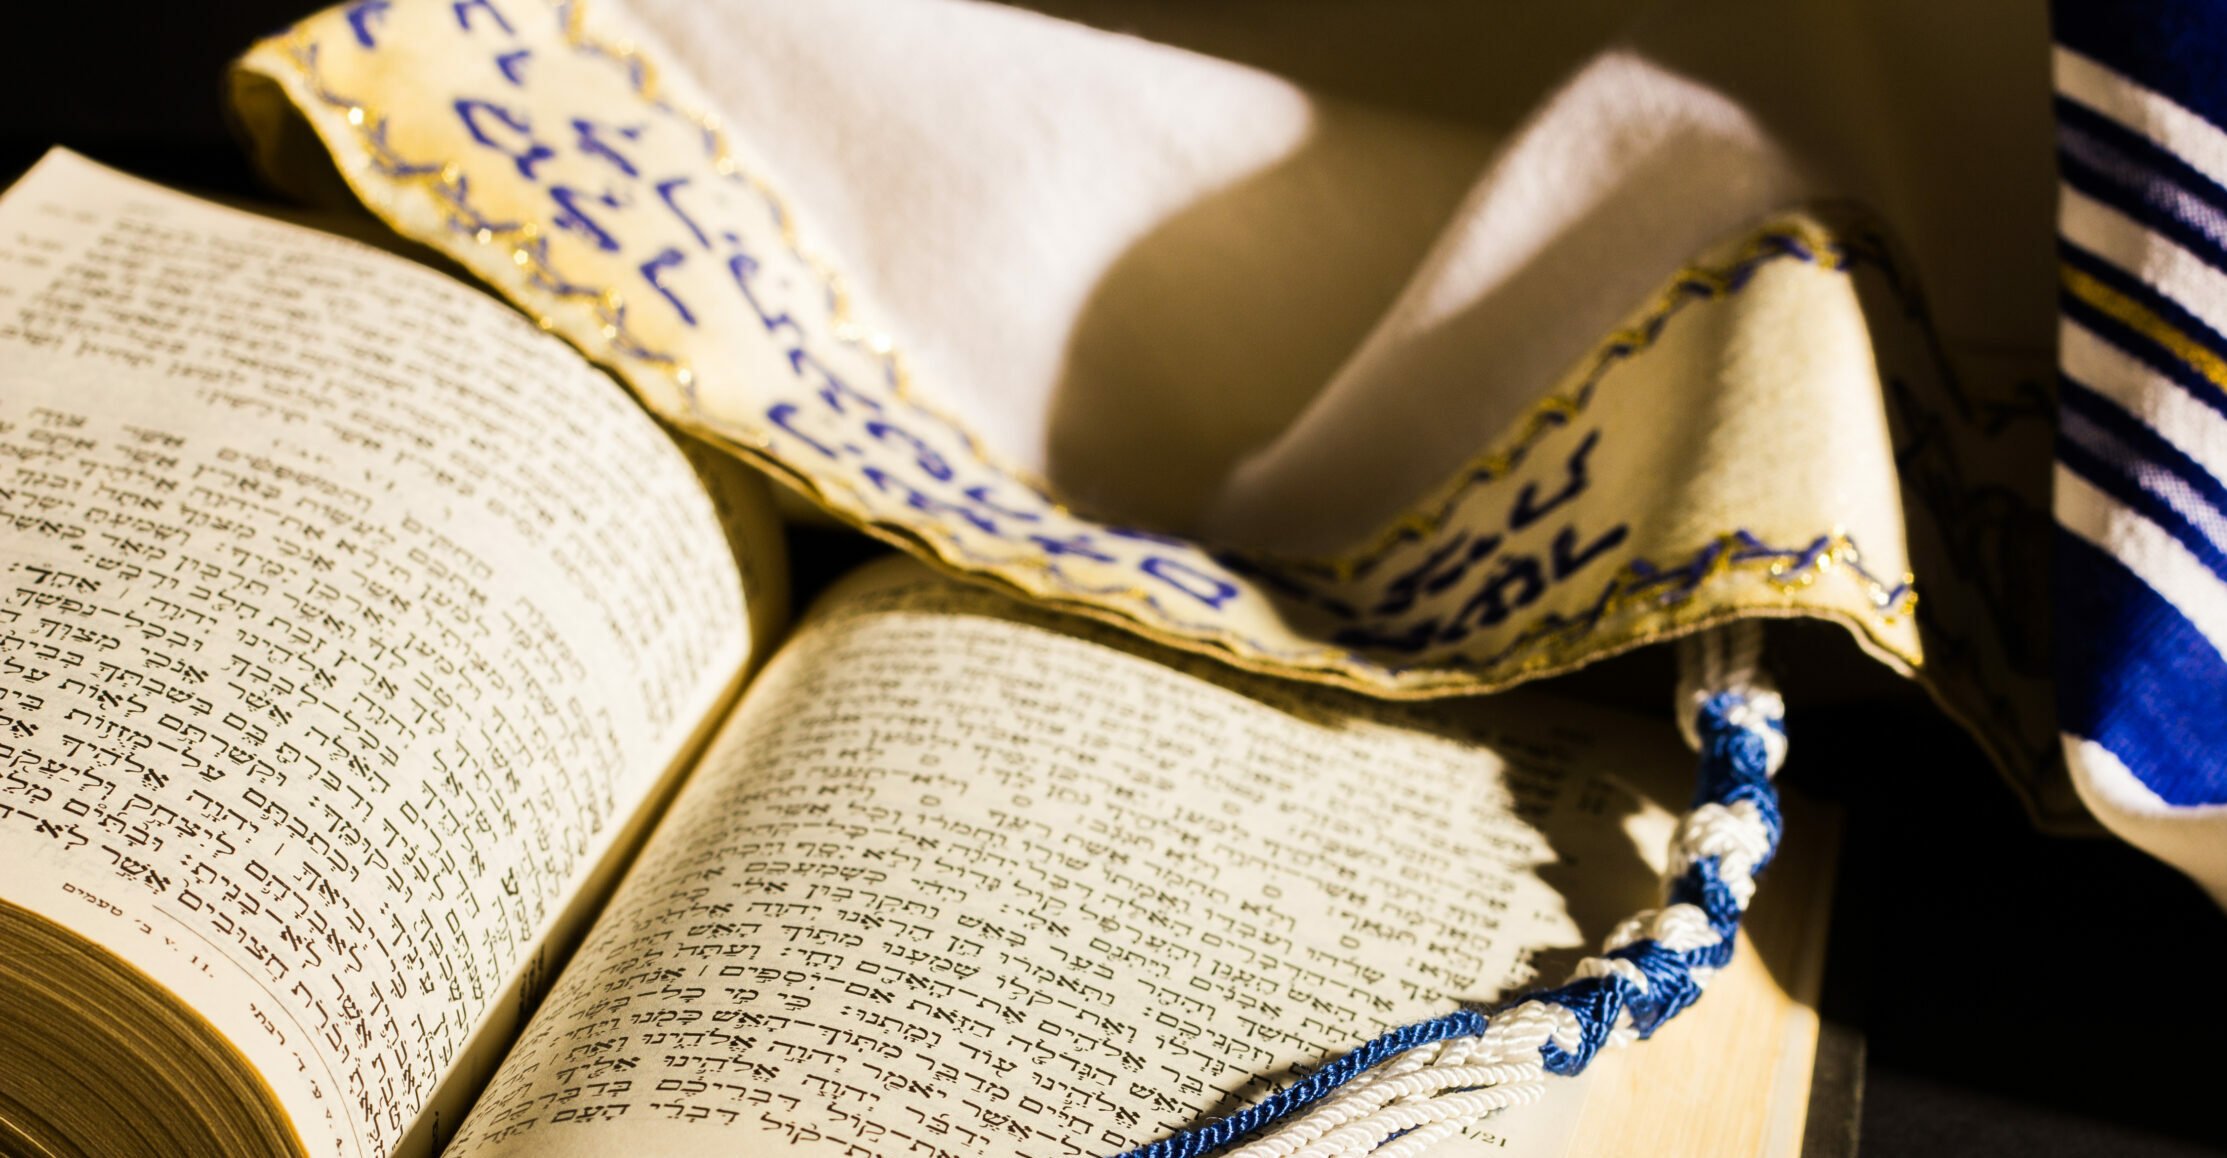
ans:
(1419, 1084)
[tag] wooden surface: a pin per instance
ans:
(1729, 1078)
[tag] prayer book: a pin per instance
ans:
(404, 750)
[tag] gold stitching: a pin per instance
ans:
(1448, 675)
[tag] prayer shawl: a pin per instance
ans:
(1431, 376)
(2141, 574)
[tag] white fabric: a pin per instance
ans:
(2163, 264)
(2200, 431)
(1084, 240)
(2184, 837)
(2171, 127)
(1195, 295)
(2121, 669)
(1623, 176)
(2151, 552)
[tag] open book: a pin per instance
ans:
(395, 759)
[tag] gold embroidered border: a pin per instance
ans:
(1551, 646)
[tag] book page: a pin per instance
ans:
(344, 618)
(960, 878)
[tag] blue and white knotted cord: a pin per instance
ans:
(1422, 1083)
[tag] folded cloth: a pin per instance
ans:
(1198, 295)
(1357, 370)
(2141, 630)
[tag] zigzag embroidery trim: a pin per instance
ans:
(1554, 642)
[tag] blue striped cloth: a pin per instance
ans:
(2141, 568)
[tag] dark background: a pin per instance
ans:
(2018, 994)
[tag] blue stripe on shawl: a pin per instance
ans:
(2142, 349)
(2169, 311)
(2172, 47)
(2144, 442)
(2125, 171)
(2135, 676)
(2114, 479)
